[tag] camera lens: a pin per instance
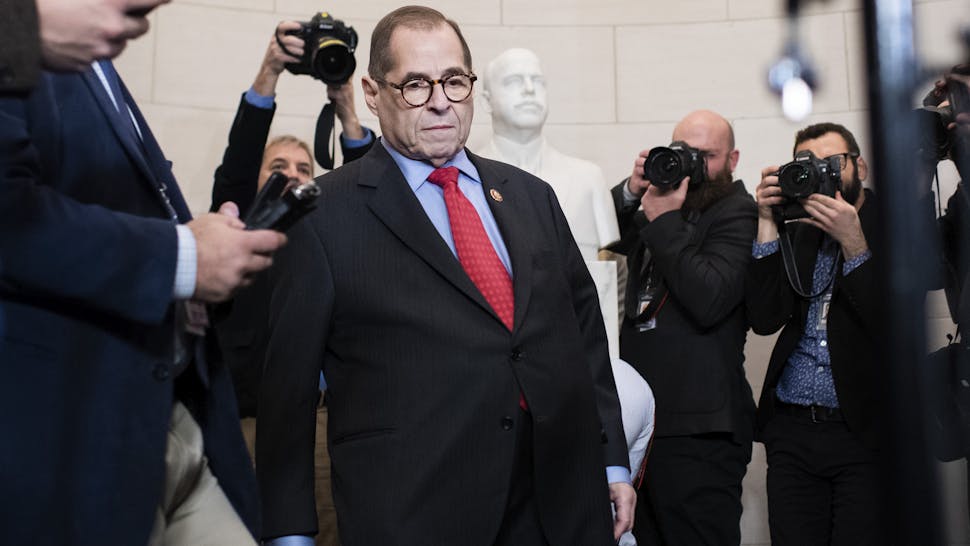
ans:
(796, 181)
(664, 167)
(333, 62)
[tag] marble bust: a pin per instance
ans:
(515, 94)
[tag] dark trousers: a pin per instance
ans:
(823, 486)
(691, 492)
(520, 524)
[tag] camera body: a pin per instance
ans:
(935, 140)
(666, 166)
(804, 176)
(328, 51)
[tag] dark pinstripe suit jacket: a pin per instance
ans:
(423, 377)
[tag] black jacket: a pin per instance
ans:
(694, 357)
(853, 320)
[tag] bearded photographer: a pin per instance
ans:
(236, 179)
(684, 329)
(818, 409)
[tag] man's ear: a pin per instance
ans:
(733, 159)
(371, 89)
(862, 168)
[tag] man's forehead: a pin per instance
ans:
(407, 60)
(285, 151)
(828, 144)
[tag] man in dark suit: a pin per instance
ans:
(470, 393)
(818, 413)
(118, 418)
(684, 331)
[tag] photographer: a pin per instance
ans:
(247, 164)
(818, 408)
(950, 139)
(684, 331)
(946, 135)
(238, 177)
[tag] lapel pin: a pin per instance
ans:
(495, 195)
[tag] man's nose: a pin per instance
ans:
(438, 100)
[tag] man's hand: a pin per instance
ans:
(275, 60)
(657, 201)
(637, 183)
(75, 32)
(839, 219)
(342, 97)
(227, 254)
(624, 500)
(768, 195)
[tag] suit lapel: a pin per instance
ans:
(509, 213)
(395, 205)
(145, 155)
(118, 124)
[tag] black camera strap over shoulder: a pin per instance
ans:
(324, 145)
(791, 269)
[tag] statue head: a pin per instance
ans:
(515, 91)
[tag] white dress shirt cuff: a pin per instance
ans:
(185, 268)
(628, 197)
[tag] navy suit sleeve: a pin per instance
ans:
(54, 247)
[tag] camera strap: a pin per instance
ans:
(791, 269)
(324, 145)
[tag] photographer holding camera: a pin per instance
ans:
(248, 162)
(684, 329)
(239, 175)
(818, 409)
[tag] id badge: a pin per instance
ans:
(823, 313)
(643, 303)
(196, 317)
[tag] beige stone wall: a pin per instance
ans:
(620, 74)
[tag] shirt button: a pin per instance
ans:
(507, 423)
(819, 369)
(823, 343)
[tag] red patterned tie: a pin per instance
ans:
(475, 250)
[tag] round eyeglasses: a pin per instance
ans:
(844, 158)
(418, 91)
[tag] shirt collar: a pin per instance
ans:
(416, 172)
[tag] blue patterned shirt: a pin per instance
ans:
(807, 377)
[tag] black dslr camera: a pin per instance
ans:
(804, 176)
(665, 167)
(328, 51)
(935, 141)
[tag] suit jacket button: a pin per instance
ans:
(161, 372)
(517, 355)
(507, 423)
